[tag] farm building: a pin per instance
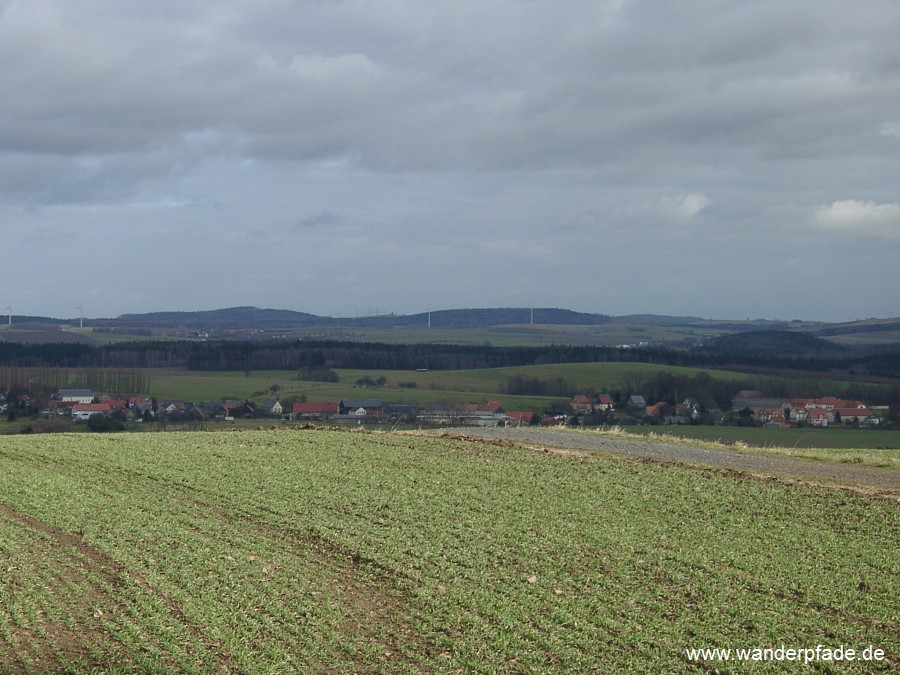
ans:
(367, 407)
(519, 419)
(314, 411)
(76, 395)
(81, 412)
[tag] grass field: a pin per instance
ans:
(609, 334)
(624, 330)
(299, 551)
(432, 386)
(199, 386)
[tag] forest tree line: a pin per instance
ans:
(863, 364)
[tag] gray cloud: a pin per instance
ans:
(477, 134)
(320, 219)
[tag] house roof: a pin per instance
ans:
(825, 401)
(361, 403)
(852, 412)
(489, 406)
(401, 408)
(314, 408)
(800, 402)
(91, 407)
(79, 393)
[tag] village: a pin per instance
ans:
(749, 408)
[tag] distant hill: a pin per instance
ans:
(18, 320)
(779, 343)
(859, 327)
(571, 327)
(237, 318)
(482, 318)
(231, 318)
(658, 319)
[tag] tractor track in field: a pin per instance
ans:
(869, 480)
(44, 643)
(100, 598)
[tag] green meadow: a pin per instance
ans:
(610, 334)
(430, 386)
(314, 551)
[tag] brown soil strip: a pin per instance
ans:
(372, 600)
(104, 598)
(46, 648)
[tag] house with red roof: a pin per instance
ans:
(848, 415)
(818, 417)
(81, 412)
(657, 409)
(519, 419)
(581, 405)
(605, 402)
(835, 410)
(489, 406)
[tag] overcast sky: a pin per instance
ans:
(719, 158)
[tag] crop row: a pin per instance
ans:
(299, 550)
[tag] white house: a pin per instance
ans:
(272, 407)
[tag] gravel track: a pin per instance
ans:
(871, 479)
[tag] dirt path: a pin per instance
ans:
(869, 479)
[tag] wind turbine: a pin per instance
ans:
(9, 314)
(80, 309)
